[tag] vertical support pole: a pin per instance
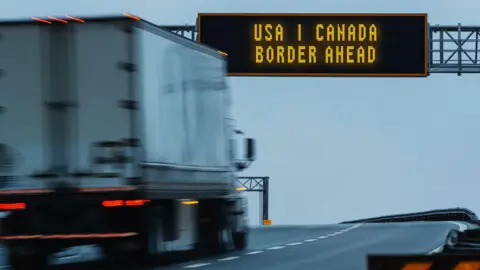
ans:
(441, 47)
(460, 49)
(430, 49)
(261, 195)
(477, 34)
(265, 194)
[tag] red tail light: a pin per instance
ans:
(136, 202)
(115, 203)
(12, 206)
(120, 203)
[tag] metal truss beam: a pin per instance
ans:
(251, 183)
(452, 49)
(186, 31)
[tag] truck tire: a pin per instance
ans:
(240, 240)
(210, 242)
(215, 226)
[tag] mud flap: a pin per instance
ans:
(156, 231)
(169, 212)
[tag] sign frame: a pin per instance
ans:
(294, 74)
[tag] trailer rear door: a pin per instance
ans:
(64, 89)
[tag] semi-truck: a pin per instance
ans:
(115, 132)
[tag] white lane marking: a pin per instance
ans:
(275, 248)
(461, 227)
(294, 244)
(197, 265)
(228, 259)
(340, 232)
(254, 252)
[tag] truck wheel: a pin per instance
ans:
(211, 240)
(240, 240)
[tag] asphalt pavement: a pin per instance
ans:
(331, 247)
(337, 247)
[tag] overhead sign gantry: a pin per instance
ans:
(400, 42)
(449, 49)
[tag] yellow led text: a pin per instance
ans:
(325, 43)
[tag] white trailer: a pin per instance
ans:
(114, 132)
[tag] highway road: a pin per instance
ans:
(332, 247)
(335, 247)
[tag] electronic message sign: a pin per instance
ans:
(319, 44)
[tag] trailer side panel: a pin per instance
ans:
(185, 104)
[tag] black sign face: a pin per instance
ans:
(319, 44)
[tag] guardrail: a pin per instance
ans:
(451, 214)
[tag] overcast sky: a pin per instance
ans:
(340, 148)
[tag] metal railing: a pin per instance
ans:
(462, 214)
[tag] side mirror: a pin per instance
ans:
(3, 110)
(240, 166)
(250, 154)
